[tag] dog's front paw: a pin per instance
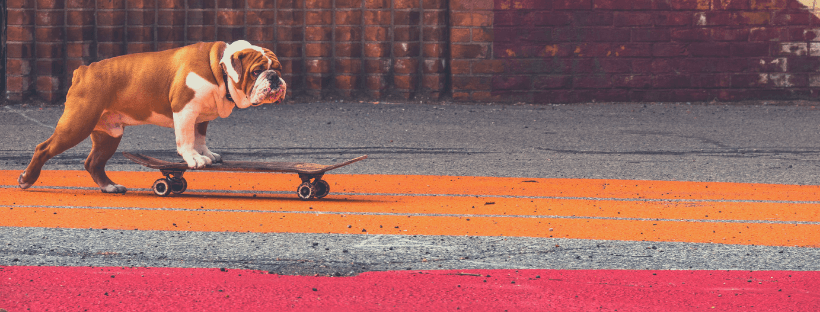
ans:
(217, 158)
(197, 161)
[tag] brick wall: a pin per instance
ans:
(536, 51)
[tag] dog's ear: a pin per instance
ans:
(236, 63)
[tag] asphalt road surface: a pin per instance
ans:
(736, 148)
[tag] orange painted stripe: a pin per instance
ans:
(435, 205)
(418, 184)
(220, 221)
(613, 211)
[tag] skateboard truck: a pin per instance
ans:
(318, 188)
(173, 182)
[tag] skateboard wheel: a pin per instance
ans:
(179, 185)
(322, 188)
(306, 191)
(161, 187)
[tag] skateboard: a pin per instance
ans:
(173, 182)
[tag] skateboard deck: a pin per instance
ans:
(175, 183)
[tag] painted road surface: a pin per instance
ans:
(585, 196)
(626, 210)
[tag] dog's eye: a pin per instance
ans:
(257, 73)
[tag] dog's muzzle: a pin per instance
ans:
(269, 88)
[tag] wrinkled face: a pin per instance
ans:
(256, 73)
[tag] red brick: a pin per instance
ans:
(80, 18)
(349, 66)
(730, 5)
(111, 4)
(435, 18)
(406, 82)
(623, 4)
(317, 49)
(710, 49)
(19, 33)
(592, 18)
(475, 19)
(691, 34)
(469, 51)
(110, 18)
(633, 19)
(348, 4)
(650, 34)
(260, 34)
(290, 18)
(593, 49)
(201, 33)
(344, 33)
(377, 66)
(49, 34)
(552, 82)
(378, 17)
(440, 34)
(632, 50)
(592, 82)
(689, 5)
(377, 34)
(672, 81)
(434, 50)
(345, 82)
(769, 4)
(710, 81)
(572, 4)
(753, 49)
(172, 18)
(230, 17)
(170, 4)
(318, 18)
(406, 33)
(318, 4)
(460, 35)
(471, 83)
(434, 66)
(632, 81)
(20, 17)
(405, 66)
(753, 18)
(792, 18)
(19, 50)
(348, 50)
(405, 49)
(49, 4)
(267, 17)
(458, 67)
(318, 33)
(715, 18)
(348, 17)
(769, 34)
(18, 67)
(230, 34)
(722, 34)
(669, 49)
(377, 49)
(378, 4)
(672, 18)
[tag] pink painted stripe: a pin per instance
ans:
(166, 289)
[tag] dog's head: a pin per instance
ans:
(254, 74)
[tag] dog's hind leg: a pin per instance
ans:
(74, 126)
(103, 147)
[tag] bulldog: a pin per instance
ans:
(182, 88)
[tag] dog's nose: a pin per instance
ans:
(274, 80)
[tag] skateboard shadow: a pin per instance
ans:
(263, 197)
